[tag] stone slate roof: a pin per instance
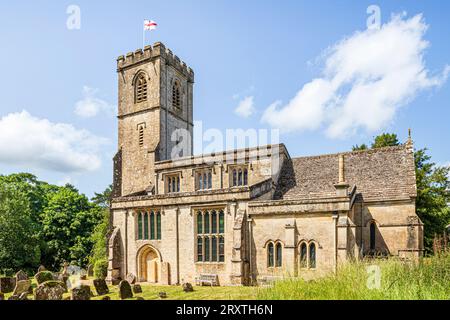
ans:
(379, 174)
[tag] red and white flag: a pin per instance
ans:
(150, 25)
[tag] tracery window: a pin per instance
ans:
(173, 183)
(140, 88)
(203, 179)
(239, 177)
(149, 225)
(307, 255)
(210, 235)
(274, 254)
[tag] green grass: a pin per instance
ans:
(427, 279)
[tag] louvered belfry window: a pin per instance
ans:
(141, 88)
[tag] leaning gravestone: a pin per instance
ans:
(21, 275)
(22, 286)
(137, 288)
(101, 287)
(82, 292)
(50, 290)
(43, 276)
(125, 290)
(23, 296)
(7, 284)
(131, 278)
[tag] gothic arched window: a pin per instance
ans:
(140, 88)
(270, 259)
(303, 255)
(312, 255)
(176, 94)
(279, 252)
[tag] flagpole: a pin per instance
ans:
(143, 38)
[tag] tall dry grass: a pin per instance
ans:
(428, 278)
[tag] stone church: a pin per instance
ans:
(242, 217)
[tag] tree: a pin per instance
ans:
(433, 185)
(99, 252)
(68, 222)
(360, 147)
(19, 243)
(385, 140)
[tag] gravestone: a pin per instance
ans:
(21, 275)
(43, 276)
(22, 286)
(137, 288)
(101, 287)
(50, 290)
(7, 284)
(125, 290)
(187, 287)
(131, 278)
(81, 292)
(90, 270)
(41, 268)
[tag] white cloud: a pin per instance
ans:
(366, 78)
(40, 144)
(90, 105)
(245, 107)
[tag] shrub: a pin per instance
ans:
(101, 268)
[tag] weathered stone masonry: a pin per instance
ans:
(244, 216)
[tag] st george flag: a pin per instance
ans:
(150, 25)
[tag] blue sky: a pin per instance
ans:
(266, 50)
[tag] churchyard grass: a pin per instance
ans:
(427, 279)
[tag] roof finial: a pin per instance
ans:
(409, 142)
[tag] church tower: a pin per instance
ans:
(155, 111)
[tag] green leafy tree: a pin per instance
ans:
(433, 185)
(360, 147)
(99, 252)
(19, 243)
(385, 140)
(68, 222)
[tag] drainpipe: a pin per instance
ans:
(335, 220)
(250, 249)
(178, 245)
(126, 243)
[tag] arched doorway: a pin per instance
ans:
(149, 265)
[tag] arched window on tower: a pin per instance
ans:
(176, 94)
(140, 88)
(372, 235)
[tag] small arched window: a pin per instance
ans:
(199, 222)
(312, 255)
(279, 250)
(303, 255)
(140, 88)
(270, 260)
(141, 135)
(372, 235)
(176, 94)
